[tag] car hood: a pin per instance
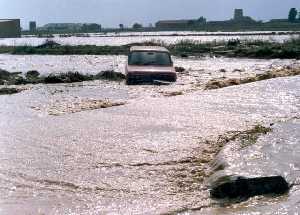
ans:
(150, 69)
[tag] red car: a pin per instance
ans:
(147, 64)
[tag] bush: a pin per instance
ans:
(110, 75)
(69, 77)
(32, 74)
(233, 42)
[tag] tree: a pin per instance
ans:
(201, 20)
(293, 15)
(121, 26)
(91, 27)
(137, 26)
(191, 22)
(299, 16)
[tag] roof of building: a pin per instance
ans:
(7, 20)
(149, 48)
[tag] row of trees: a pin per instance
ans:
(294, 16)
(91, 27)
(134, 26)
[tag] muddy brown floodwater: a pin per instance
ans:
(198, 71)
(150, 155)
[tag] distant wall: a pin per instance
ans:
(10, 28)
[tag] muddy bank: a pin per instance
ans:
(269, 167)
(34, 77)
(223, 82)
(257, 178)
(289, 49)
(239, 188)
(77, 105)
(213, 146)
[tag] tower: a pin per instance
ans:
(238, 14)
(32, 26)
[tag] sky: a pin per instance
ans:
(111, 13)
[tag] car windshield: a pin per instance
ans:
(143, 58)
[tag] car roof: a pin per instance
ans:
(149, 48)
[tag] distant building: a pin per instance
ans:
(62, 27)
(172, 23)
(137, 26)
(220, 23)
(238, 21)
(32, 26)
(71, 27)
(10, 28)
(278, 20)
(91, 27)
(240, 18)
(238, 14)
(179, 24)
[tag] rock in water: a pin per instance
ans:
(179, 69)
(239, 187)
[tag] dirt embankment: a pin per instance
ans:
(223, 82)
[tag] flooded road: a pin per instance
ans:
(149, 156)
(93, 64)
(198, 70)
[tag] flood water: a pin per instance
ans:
(149, 156)
(128, 38)
(93, 64)
(199, 70)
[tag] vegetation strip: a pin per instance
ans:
(9, 91)
(221, 82)
(34, 77)
(232, 48)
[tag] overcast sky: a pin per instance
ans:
(110, 13)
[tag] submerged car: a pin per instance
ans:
(149, 64)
